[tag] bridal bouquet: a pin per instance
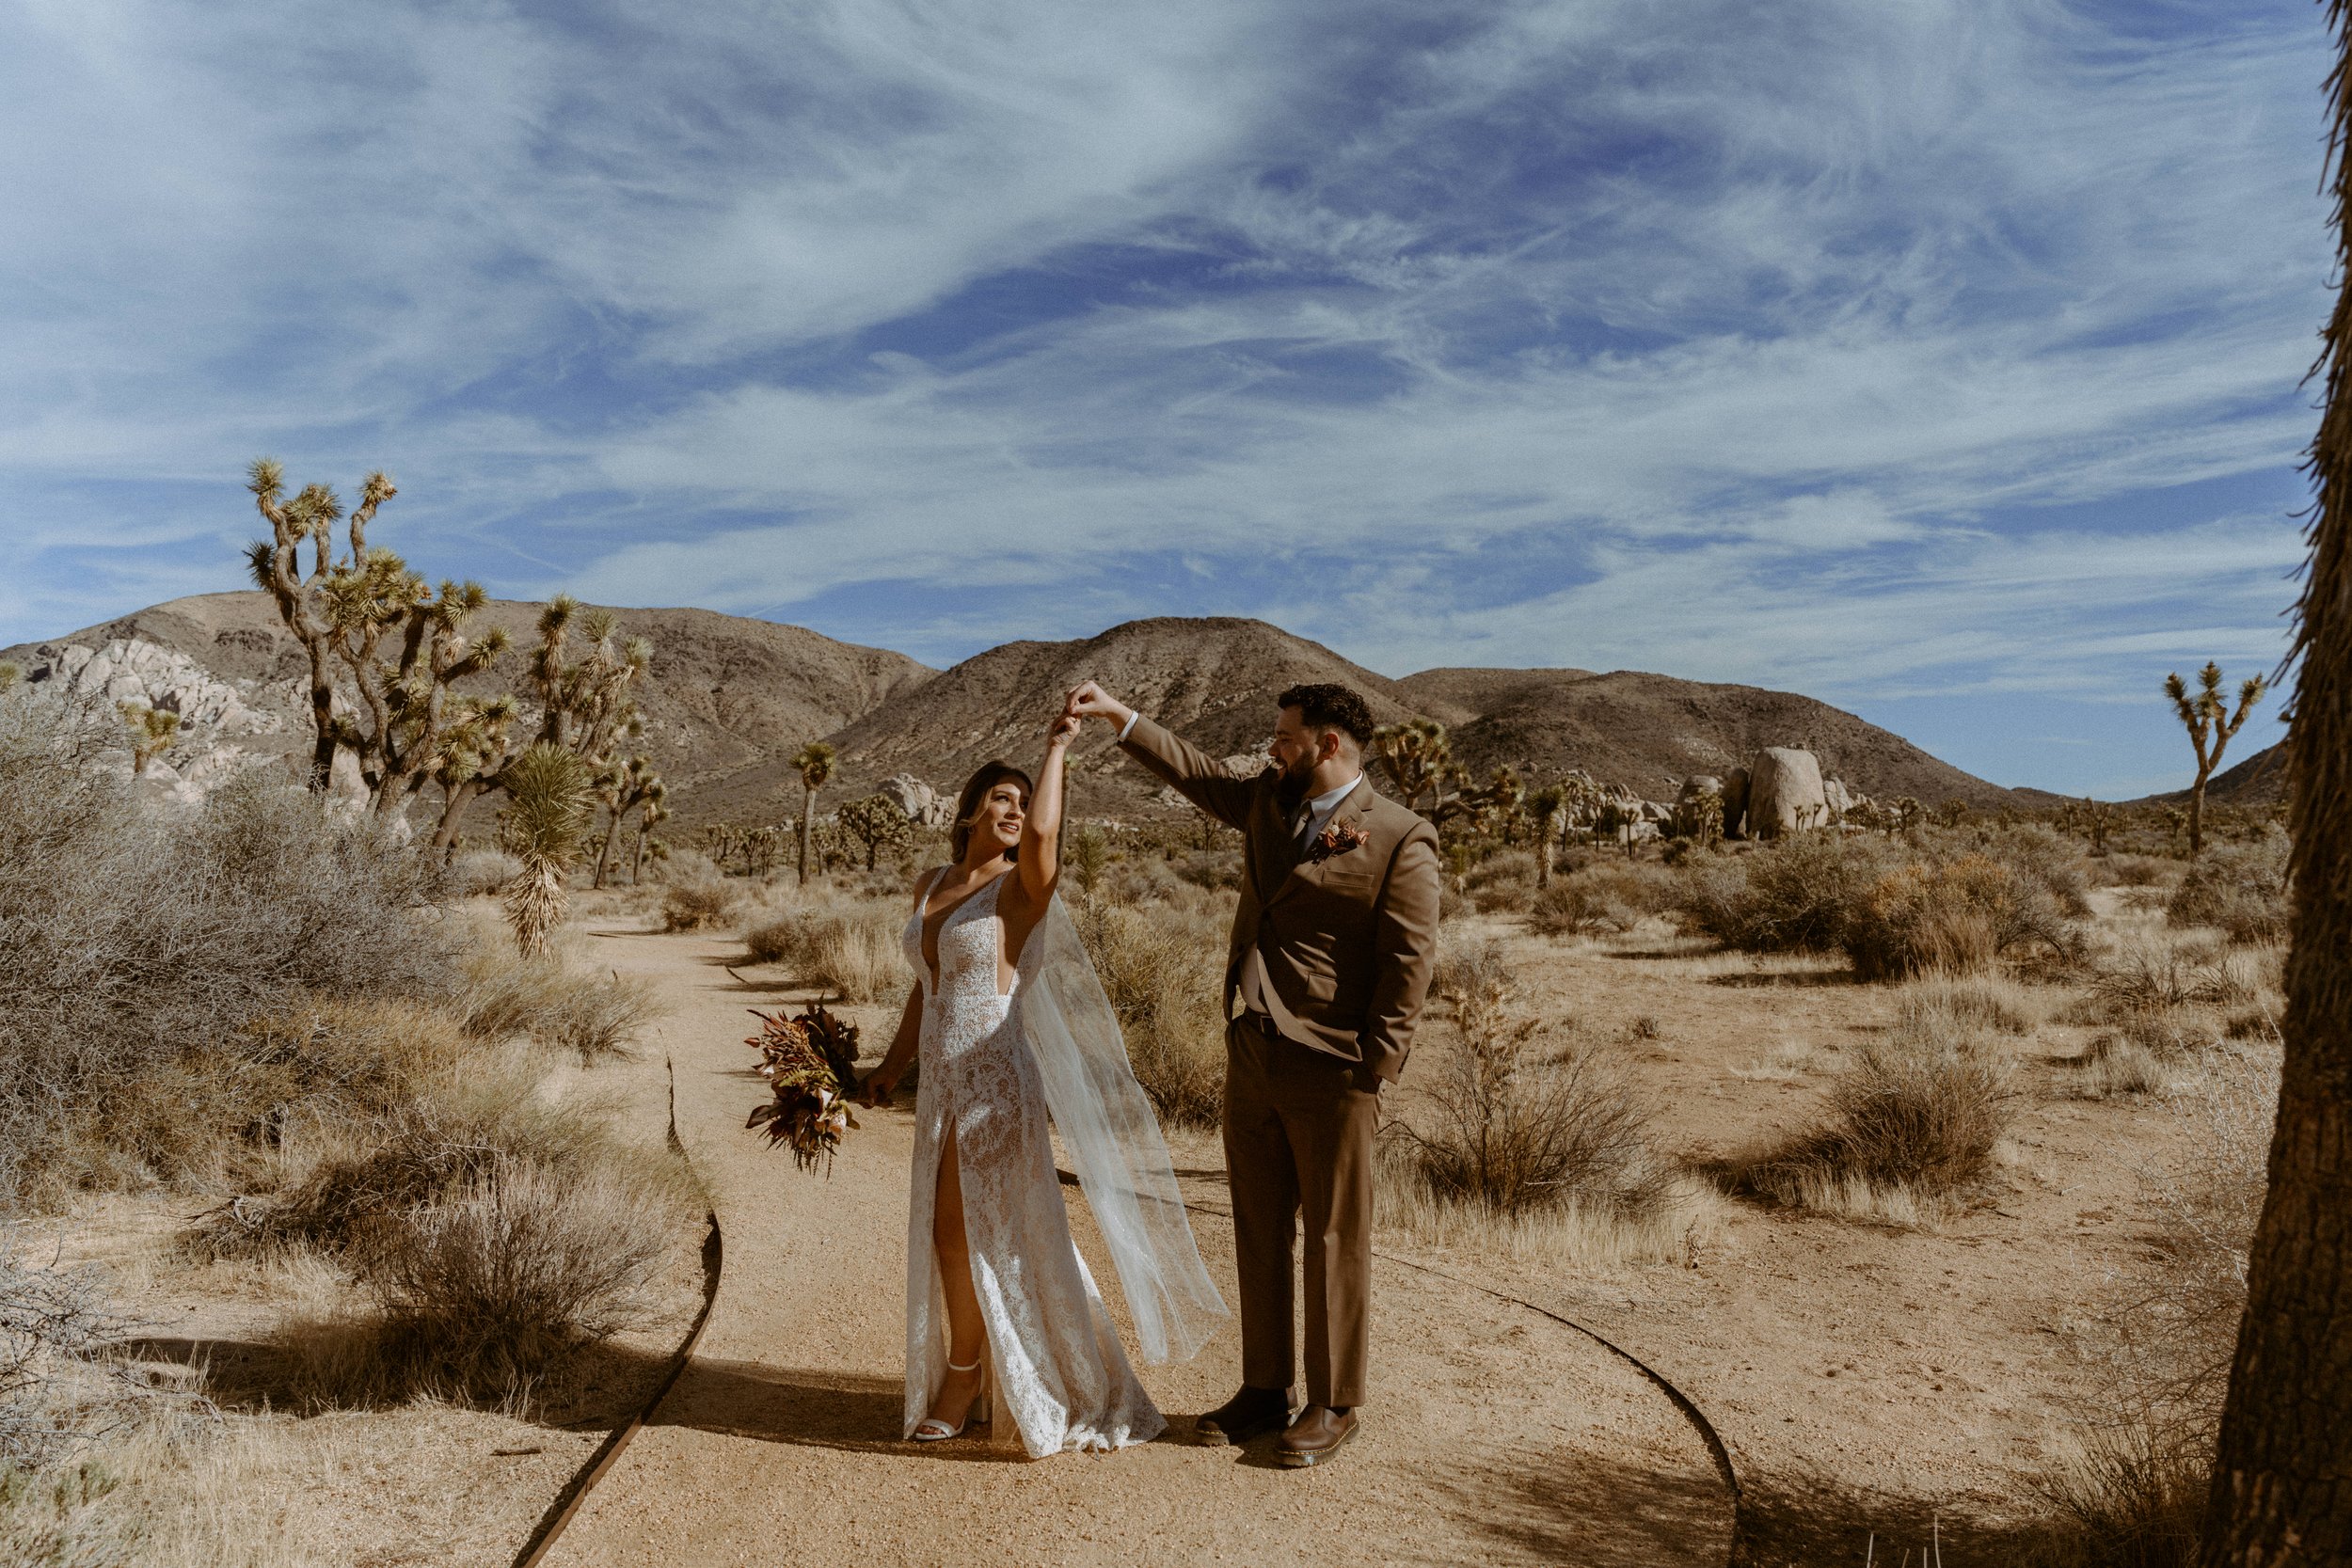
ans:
(810, 1063)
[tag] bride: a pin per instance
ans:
(1010, 1022)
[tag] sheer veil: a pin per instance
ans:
(1106, 1124)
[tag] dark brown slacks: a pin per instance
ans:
(1298, 1132)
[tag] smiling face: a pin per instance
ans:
(995, 822)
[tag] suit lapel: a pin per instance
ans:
(1310, 872)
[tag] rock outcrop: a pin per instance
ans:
(924, 806)
(1785, 793)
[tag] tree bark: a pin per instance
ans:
(2282, 1469)
(2197, 816)
(808, 819)
(604, 850)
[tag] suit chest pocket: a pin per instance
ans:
(1354, 884)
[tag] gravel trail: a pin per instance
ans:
(1495, 1435)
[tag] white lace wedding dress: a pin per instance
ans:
(1057, 1367)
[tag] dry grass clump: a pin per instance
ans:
(2240, 889)
(2044, 857)
(846, 941)
(2132, 1495)
(1162, 965)
(692, 904)
(1502, 882)
(2135, 871)
(1979, 1000)
(1794, 897)
(1913, 1121)
(524, 1265)
(1603, 895)
(1954, 918)
(543, 1001)
(479, 873)
(1510, 1130)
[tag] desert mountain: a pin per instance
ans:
(725, 690)
(1214, 681)
(1650, 732)
(729, 700)
(2260, 780)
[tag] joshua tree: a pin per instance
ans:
(152, 729)
(2280, 1493)
(552, 799)
(759, 850)
(625, 787)
(1547, 812)
(653, 815)
(873, 822)
(2206, 714)
(1417, 756)
(585, 705)
(342, 611)
(815, 762)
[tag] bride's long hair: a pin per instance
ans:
(975, 788)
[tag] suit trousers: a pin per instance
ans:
(1298, 1134)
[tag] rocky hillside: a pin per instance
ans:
(1650, 732)
(725, 691)
(730, 699)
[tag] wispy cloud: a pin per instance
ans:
(1874, 350)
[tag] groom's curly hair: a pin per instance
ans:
(1326, 706)
(975, 788)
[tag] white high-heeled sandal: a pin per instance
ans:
(931, 1429)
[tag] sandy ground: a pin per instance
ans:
(1494, 1435)
(421, 1483)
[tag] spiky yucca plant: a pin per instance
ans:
(554, 796)
(2206, 714)
(152, 730)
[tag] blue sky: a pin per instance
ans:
(1943, 360)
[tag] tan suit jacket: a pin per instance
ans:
(1347, 940)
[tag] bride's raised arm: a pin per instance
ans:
(1038, 864)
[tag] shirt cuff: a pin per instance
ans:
(1133, 714)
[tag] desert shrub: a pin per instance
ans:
(136, 943)
(1954, 918)
(480, 872)
(59, 1387)
(2135, 870)
(772, 940)
(854, 949)
(2239, 888)
(1512, 1128)
(2133, 1497)
(518, 1269)
(1794, 897)
(1162, 965)
(1604, 895)
(1916, 1115)
(2114, 1065)
(542, 1000)
(343, 1168)
(1216, 869)
(1978, 1001)
(1504, 881)
(2044, 857)
(692, 905)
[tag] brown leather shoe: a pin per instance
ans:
(1251, 1413)
(1316, 1436)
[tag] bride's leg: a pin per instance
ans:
(967, 1336)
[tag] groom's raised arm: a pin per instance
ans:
(1196, 775)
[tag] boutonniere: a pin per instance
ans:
(1337, 839)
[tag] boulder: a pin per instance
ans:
(1841, 799)
(1735, 803)
(1785, 793)
(924, 806)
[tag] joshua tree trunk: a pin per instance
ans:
(808, 822)
(604, 850)
(2282, 1473)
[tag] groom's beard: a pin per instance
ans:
(1290, 791)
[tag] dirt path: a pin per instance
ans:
(1495, 1434)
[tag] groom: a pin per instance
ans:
(1329, 963)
